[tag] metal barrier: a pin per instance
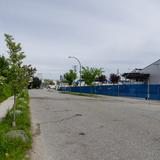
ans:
(146, 91)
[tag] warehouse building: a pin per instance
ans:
(149, 74)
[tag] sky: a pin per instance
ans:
(108, 34)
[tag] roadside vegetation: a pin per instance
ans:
(70, 76)
(15, 135)
(114, 78)
(5, 92)
(80, 94)
(16, 148)
(5, 89)
(88, 75)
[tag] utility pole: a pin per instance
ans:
(80, 67)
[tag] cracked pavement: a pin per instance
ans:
(68, 127)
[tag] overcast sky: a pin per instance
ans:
(111, 34)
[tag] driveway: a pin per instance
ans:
(68, 127)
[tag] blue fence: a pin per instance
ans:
(127, 90)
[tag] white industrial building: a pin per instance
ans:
(149, 74)
(154, 72)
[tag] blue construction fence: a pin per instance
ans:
(127, 90)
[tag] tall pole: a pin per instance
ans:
(80, 67)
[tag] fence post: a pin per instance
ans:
(118, 89)
(148, 89)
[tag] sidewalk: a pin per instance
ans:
(4, 106)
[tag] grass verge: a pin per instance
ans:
(5, 92)
(80, 94)
(15, 149)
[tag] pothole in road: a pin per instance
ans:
(66, 110)
(82, 134)
(116, 120)
(78, 115)
(102, 126)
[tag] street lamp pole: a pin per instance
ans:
(80, 67)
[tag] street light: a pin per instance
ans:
(80, 66)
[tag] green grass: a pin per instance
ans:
(80, 94)
(15, 149)
(5, 92)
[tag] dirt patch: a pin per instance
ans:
(37, 130)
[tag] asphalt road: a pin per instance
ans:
(68, 127)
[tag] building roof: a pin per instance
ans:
(136, 70)
(154, 63)
(136, 76)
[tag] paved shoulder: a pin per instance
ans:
(4, 106)
(69, 127)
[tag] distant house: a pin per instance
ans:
(149, 74)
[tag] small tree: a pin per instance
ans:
(36, 82)
(16, 73)
(114, 78)
(70, 76)
(101, 78)
(48, 82)
(89, 74)
(29, 74)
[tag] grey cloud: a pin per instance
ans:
(106, 33)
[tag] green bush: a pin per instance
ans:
(15, 149)
(5, 92)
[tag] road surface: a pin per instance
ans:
(68, 127)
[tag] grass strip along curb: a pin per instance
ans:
(80, 94)
(16, 148)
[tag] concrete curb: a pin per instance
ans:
(5, 106)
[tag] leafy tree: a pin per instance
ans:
(29, 74)
(114, 78)
(5, 90)
(101, 78)
(90, 74)
(16, 73)
(36, 83)
(4, 66)
(48, 82)
(70, 76)
(30, 71)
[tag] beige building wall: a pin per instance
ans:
(154, 71)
